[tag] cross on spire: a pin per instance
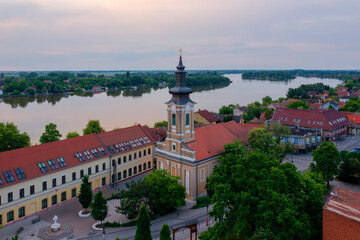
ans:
(180, 52)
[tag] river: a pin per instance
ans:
(122, 109)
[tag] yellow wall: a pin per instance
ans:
(198, 118)
(33, 203)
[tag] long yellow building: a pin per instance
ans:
(37, 178)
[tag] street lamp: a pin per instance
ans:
(103, 224)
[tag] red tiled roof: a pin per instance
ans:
(325, 119)
(314, 106)
(210, 140)
(207, 115)
(342, 89)
(157, 133)
(28, 158)
(343, 93)
(347, 203)
(256, 121)
(354, 119)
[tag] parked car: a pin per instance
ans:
(357, 149)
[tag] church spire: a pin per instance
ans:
(180, 93)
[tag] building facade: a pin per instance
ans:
(37, 178)
(332, 123)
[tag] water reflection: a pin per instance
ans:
(23, 102)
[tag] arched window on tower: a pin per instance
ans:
(187, 120)
(173, 118)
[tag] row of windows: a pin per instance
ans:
(187, 119)
(53, 182)
(10, 215)
(44, 202)
(130, 157)
(82, 173)
(131, 171)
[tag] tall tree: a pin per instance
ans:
(72, 135)
(93, 126)
(166, 194)
(51, 134)
(255, 191)
(327, 160)
(165, 232)
(137, 195)
(143, 231)
(298, 105)
(99, 209)
(268, 141)
(11, 138)
(159, 191)
(85, 195)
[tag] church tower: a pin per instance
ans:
(180, 112)
(173, 154)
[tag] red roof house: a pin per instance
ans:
(327, 120)
(204, 116)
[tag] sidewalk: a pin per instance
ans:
(68, 214)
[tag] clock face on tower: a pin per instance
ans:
(188, 107)
(173, 108)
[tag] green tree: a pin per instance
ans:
(72, 135)
(166, 194)
(99, 209)
(51, 134)
(226, 110)
(263, 234)
(161, 124)
(254, 191)
(16, 237)
(143, 231)
(30, 91)
(254, 110)
(266, 100)
(268, 141)
(327, 160)
(268, 114)
(159, 191)
(86, 195)
(93, 126)
(11, 138)
(137, 195)
(298, 105)
(165, 233)
(349, 170)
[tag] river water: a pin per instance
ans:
(122, 109)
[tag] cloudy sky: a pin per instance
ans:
(146, 34)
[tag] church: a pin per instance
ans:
(188, 152)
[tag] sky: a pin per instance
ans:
(48, 35)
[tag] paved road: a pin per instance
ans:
(303, 160)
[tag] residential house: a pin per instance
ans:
(332, 123)
(354, 127)
(331, 103)
(205, 117)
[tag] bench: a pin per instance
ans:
(35, 220)
(20, 229)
